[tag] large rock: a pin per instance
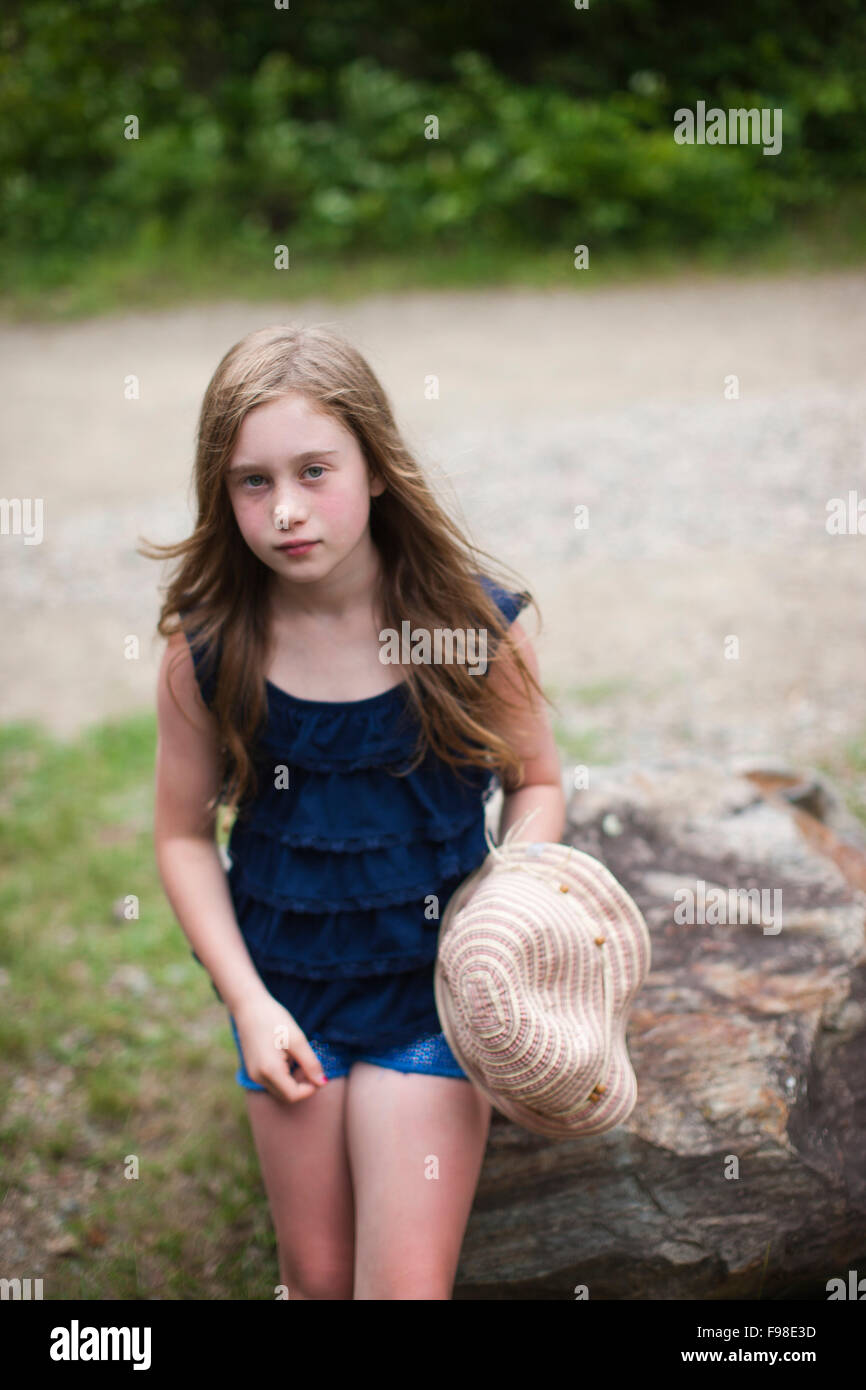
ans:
(740, 1173)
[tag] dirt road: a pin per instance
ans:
(707, 515)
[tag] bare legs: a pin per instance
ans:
(371, 1182)
(305, 1169)
(416, 1145)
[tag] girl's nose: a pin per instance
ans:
(289, 511)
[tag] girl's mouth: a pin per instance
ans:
(299, 548)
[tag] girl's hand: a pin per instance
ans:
(270, 1041)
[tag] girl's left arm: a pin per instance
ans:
(528, 731)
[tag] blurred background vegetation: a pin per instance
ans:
(305, 126)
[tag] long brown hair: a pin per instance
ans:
(426, 573)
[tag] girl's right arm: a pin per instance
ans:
(187, 777)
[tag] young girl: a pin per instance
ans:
(359, 791)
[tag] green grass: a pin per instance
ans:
(580, 746)
(101, 1061)
(179, 270)
(576, 740)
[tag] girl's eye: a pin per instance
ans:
(250, 477)
(320, 466)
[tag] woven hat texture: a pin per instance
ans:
(541, 952)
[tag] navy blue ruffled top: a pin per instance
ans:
(340, 871)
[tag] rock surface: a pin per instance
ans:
(739, 1173)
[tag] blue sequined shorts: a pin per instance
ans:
(430, 1055)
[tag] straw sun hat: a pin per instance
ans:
(540, 955)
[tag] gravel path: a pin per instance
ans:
(707, 515)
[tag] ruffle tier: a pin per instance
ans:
(383, 1011)
(324, 808)
(347, 943)
(275, 871)
(340, 737)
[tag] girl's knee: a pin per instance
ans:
(318, 1275)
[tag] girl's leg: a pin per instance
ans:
(416, 1144)
(305, 1169)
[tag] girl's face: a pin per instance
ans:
(298, 475)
